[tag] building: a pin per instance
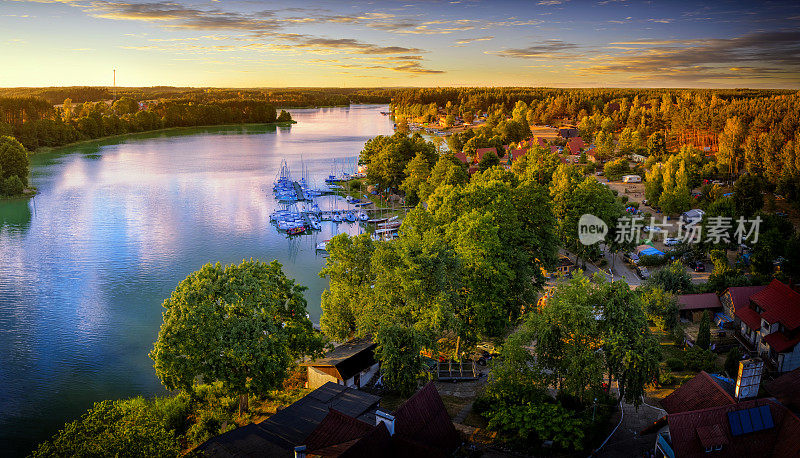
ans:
(692, 306)
(693, 216)
(479, 152)
(279, 434)
(336, 421)
(461, 157)
(564, 266)
(770, 326)
(704, 418)
(736, 298)
(568, 132)
(351, 364)
(786, 389)
(576, 145)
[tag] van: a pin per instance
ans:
(631, 179)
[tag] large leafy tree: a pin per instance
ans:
(387, 157)
(13, 159)
(242, 325)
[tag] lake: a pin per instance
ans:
(116, 225)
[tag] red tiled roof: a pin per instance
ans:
(740, 295)
(423, 419)
(517, 153)
(553, 149)
(481, 151)
(576, 144)
(336, 428)
(693, 431)
(699, 392)
(780, 342)
(786, 389)
(749, 317)
(780, 303)
(698, 301)
(461, 157)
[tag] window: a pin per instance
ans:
(718, 447)
(709, 449)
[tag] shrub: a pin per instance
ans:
(652, 261)
(675, 364)
(698, 359)
(665, 377)
(12, 186)
(732, 362)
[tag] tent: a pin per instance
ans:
(647, 250)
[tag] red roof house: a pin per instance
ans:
(770, 324)
(461, 157)
(576, 144)
(737, 298)
(699, 392)
(481, 151)
(758, 427)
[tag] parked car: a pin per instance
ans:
(642, 272)
(632, 258)
(671, 241)
(699, 266)
(599, 173)
(652, 229)
(781, 214)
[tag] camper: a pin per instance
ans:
(631, 179)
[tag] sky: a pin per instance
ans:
(253, 43)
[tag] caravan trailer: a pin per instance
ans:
(631, 179)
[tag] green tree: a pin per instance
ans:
(747, 196)
(704, 333)
(416, 181)
(673, 279)
(614, 170)
(125, 106)
(129, 428)
(12, 186)
(284, 116)
(488, 161)
(242, 325)
(732, 362)
(388, 156)
(13, 159)
(656, 145)
(660, 307)
(399, 353)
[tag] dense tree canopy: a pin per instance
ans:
(243, 325)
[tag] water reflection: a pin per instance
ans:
(85, 266)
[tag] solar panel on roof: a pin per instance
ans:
(766, 415)
(755, 418)
(736, 425)
(747, 425)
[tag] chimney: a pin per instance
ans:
(749, 378)
(385, 418)
(300, 451)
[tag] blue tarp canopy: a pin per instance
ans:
(650, 252)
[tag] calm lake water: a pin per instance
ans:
(116, 225)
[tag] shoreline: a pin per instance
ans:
(49, 149)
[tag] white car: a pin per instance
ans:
(652, 229)
(671, 241)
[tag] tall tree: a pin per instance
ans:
(242, 325)
(13, 159)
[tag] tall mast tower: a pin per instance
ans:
(114, 90)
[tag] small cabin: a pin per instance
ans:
(351, 364)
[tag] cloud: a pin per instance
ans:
(770, 53)
(553, 49)
(466, 41)
(552, 2)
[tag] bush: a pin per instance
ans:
(652, 261)
(675, 364)
(698, 359)
(665, 377)
(732, 362)
(12, 186)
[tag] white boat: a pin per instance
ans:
(350, 216)
(363, 216)
(322, 246)
(337, 217)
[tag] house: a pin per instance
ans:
(693, 216)
(351, 364)
(576, 145)
(514, 154)
(705, 418)
(279, 434)
(638, 158)
(461, 157)
(481, 151)
(770, 325)
(420, 427)
(692, 306)
(735, 298)
(568, 132)
(756, 427)
(564, 266)
(592, 153)
(700, 392)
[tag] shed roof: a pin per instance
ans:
(347, 359)
(479, 152)
(698, 301)
(423, 419)
(740, 295)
